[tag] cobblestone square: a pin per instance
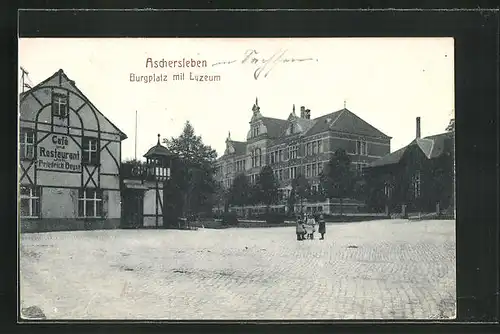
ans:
(390, 269)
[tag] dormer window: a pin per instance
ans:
(255, 130)
(292, 128)
(59, 105)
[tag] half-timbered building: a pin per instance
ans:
(69, 159)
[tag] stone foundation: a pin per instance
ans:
(52, 225)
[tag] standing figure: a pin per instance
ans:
(311, 227)
(300, 229)
(322, 227)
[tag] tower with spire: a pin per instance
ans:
(256, 108)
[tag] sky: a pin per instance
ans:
(388, 82)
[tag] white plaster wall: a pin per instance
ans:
(113, 204)
(59, 203)
(150, 202)
(108, 165)
(57, 178)
(110, 182)
(29, 106)
(89, 119)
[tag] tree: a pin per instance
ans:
(193, 174)
(374, 190)
(220, 198)
(291, 200)
(316, 195)
(254, 194)
(267, 187)
(133, 168)
(301, 189)
(337, 178)
(359, 190)
(239, 193)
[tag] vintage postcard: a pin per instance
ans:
(236, 179)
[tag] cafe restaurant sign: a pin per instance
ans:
(59, 153)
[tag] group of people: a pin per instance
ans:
(306, 226)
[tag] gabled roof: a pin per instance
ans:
(432, 147)
(347, 121)
(72, 83)
(275, 126)
(322, 123)
(305, 124)
(240, 147)
(389, 159)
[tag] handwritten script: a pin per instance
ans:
(264, 65)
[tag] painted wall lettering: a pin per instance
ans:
(59, 153)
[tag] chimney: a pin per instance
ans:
(308, 114)
(418, 127)
(302, 111)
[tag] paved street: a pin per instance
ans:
(370, 270)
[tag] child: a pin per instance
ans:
(311, 223)
(299, 229)
(322, 227)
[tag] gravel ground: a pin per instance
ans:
(389, 269)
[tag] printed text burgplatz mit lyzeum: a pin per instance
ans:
(179, 76)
